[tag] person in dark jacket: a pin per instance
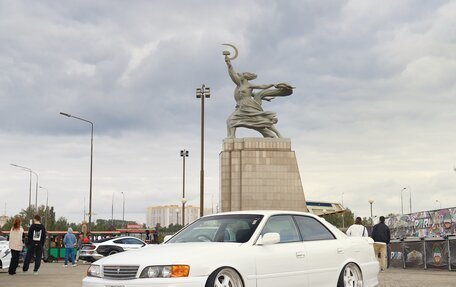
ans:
(381, 236)
(35, 242)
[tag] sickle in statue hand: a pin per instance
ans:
(227, 53)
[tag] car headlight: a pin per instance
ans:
(166, 271)
(94, 271)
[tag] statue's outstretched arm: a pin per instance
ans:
(233, 75)
(281, 90)
(262, 87)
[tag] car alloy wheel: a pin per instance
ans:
(225, 277)
(351, 276)
(112, 252)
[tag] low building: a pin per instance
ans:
(172, 214)
(3, 220)
(322, 208)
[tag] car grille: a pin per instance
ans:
(120, 272)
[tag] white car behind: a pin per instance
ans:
(5, 253)
(246, 249)
(109, 246)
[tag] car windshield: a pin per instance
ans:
(237, 228)
(2, 238)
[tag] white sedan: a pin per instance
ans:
(109, 246)
(245, 249)
(5, 253)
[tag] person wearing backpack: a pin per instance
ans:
(35, 242)
(357, 229)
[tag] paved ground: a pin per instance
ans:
(50, 275)
(396, 277)
(53, 274)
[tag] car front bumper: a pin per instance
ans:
(152, 282)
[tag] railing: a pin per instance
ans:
(424, 253)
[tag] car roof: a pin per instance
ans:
(264, 212)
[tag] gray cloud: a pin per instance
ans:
(372, 112)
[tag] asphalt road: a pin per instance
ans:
(53, 274)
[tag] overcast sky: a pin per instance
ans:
(374, 109)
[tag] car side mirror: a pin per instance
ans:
(269, 239)
(167, 237)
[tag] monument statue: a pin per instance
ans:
(249, 112)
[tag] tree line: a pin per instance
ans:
(49, 220)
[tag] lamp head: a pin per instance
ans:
(65, 114)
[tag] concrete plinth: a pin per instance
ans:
(260, 173)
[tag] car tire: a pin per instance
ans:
(225, 276)
(350, 276)
(113, 251)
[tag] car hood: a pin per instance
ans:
(172, 253)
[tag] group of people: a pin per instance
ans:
(380, 234)
(35, 240)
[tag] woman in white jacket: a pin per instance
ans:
(15, 244)
(357, 229)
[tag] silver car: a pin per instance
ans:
(105, 247)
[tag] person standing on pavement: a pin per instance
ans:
(79, 247)
(357, 229)
(35, 241)
(15, 244)
(69, 240)
(381, 236)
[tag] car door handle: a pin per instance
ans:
(300, 254)
(340, 250)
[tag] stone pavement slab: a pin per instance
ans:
(396, 277)
(54, 275)
(49, 275)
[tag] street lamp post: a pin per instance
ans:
(36, 191)
(47, 204)
(123, 209)
(201, 93)
(410, 198)
(183, 154)
(112, 210)
(440, 204)
(30, 186)
(371, 202)
(91, 163)
(343, 213)
(402, 202)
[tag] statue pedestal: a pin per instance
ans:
(260, 173)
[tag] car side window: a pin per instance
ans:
(119, 241)
(284, 226)
(311, 229)
(237, 232)
(132, 241)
